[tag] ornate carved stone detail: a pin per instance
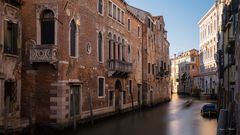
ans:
(11, 12)
(43, 53)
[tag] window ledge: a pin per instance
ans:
(101, 97)
(73, 57)
(101, 14)
(11, 55)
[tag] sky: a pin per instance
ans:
(181, 19)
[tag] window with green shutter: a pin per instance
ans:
(10, 37)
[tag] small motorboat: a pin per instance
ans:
(188, 102)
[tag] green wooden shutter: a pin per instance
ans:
(5, 36)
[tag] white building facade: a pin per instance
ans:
(208, 28)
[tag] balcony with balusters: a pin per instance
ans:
(119, 68)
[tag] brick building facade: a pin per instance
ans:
(80, 58)
(228, 62)
(10, 62)
(155, 58)
(185, 67)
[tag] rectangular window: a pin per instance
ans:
(149, 70)
(138, 31)
(161, 64)
(10, 97)
(101, 86)
(130, 86)
(111, 98)
(118, 14)
(100, 48)
(124, 97)
(100, 6)
(110, 8)
(114, 11)
(149, 23)
(10, 37)
(122, 17)
(129, 25)
(153, 67)
(157, 69)
(74, 100)
(192, 59)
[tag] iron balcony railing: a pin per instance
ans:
(120, 66)
(43, 53)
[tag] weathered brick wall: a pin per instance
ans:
(10, 64)
(83, 70)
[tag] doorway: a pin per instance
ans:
(118, 95)
(10, 95)
(74, 100)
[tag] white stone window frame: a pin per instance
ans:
(103, 41)
(101, 14)
(38, 23)
(104, 86)
(77, 39)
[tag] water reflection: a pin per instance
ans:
(167, 119)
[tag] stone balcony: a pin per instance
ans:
(119, 68)
(43, 54)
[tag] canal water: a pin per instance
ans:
(172, 118)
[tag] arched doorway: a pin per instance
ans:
(118, 95)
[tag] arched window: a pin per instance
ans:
(110, 46)
(100, 48)
(123, 50)
(119, 48)
(100, 6)
(47, 27)
(73, 37)
(129, 53)
(114, 46)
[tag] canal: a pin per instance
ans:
(172, 118)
